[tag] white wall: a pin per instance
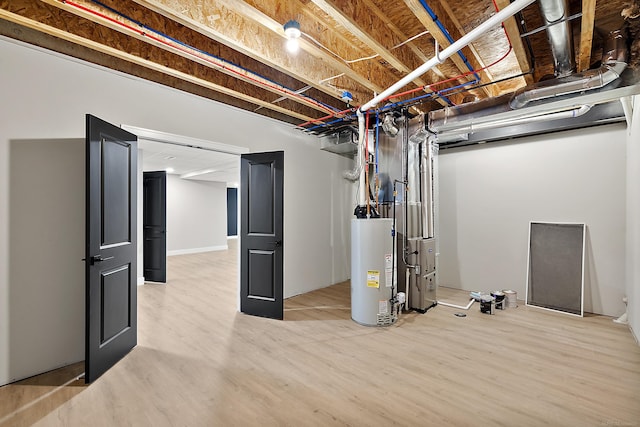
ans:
(489, 193)
(196, 215)
(46, 272)
(318, 204)
(633, 220)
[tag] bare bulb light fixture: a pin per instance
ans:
(293, 33)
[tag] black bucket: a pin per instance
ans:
(499, 297)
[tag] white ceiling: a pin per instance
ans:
(189, 158)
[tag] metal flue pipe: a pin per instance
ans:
(472, 35)
(555, 14)
(358, 172)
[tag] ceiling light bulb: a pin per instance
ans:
(292, 29)
(293, 45)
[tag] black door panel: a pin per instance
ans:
(261, 234)
(111, 246)
(155, 226)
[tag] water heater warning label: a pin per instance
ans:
(388, 270)
(373, 278)
(383, 307)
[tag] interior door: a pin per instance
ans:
(232, 211)
(261, 234)
(155, 226)
(111, 246)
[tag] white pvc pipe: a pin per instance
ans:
(461, 307)
(472, 35)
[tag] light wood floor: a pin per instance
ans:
(200, 363)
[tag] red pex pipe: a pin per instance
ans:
(200, 56)
(430, 86)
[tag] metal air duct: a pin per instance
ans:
(614, 61)
(555, 14)
(508, 109)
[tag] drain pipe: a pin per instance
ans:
(465, 40)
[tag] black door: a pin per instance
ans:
(261, 234)
(155, 226)
(111, 246)
(232, 211)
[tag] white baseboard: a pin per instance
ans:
(232, 237)
(140, 281)
(197, 250)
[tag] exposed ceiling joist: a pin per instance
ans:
(475, 55)
(388, 22)
(233, 51)
(417, 8)
(109, 19)
(346, 12)
(586, 34)
(511, 27)
(261, 42)
(345, 17)
(261, 37)
(26, 22)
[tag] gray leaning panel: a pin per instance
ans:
(555, 278)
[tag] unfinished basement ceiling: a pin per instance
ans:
(234, 51)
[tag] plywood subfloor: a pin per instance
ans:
(200, 363)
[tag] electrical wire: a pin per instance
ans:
(366, 58)
(432, 85)
(411, 91)
(223, 63)
(214, 60)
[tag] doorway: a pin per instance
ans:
(198, 175)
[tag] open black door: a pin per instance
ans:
(261, 233)
(111, 246)
(155, 226)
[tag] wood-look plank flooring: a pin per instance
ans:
(201, 363)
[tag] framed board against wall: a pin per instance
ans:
(555, 267)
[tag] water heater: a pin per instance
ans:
(372, 271)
